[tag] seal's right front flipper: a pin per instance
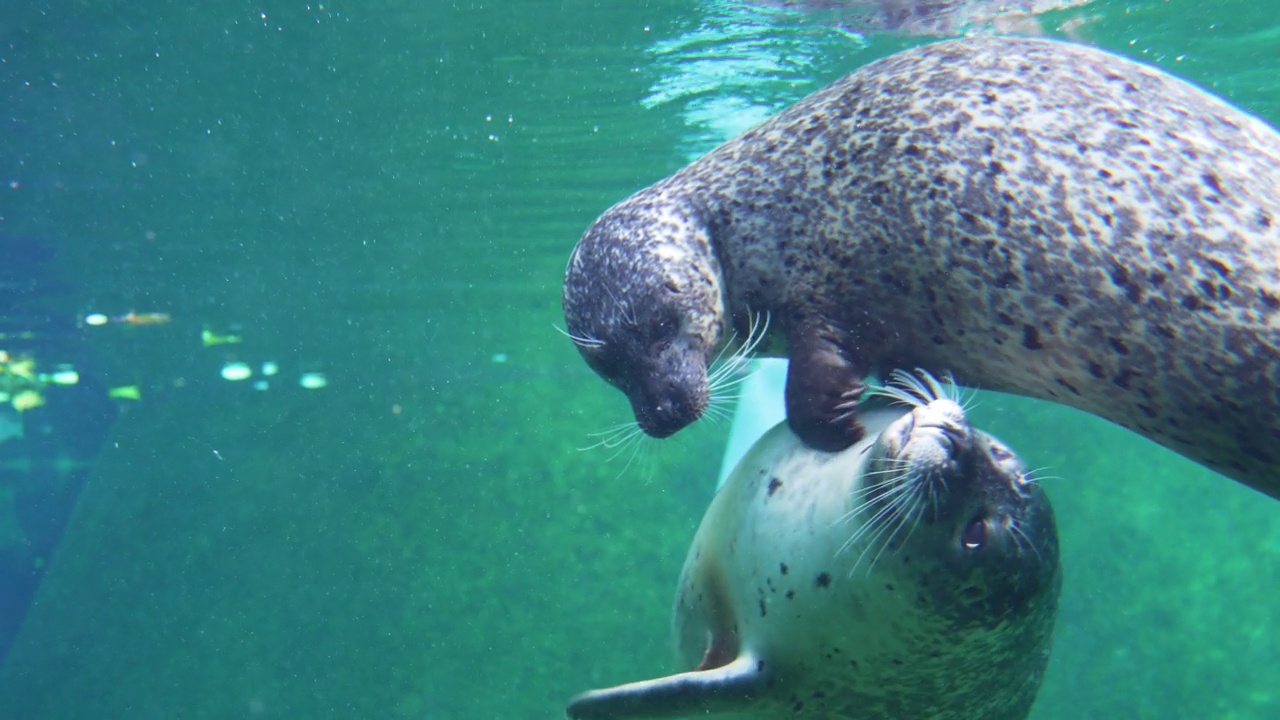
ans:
(723, 689)
(823, 386)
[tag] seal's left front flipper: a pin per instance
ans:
(726, 688)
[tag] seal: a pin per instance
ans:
(1041, 218)
(912, 575)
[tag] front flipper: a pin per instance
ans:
(823, 386)
(726, 688)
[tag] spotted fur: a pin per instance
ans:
(1041, 218)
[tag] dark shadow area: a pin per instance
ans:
(50, 432)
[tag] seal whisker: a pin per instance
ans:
(1035, 476)
(615, 437)
(734, 363)
(888, 494)
(636, 440)
(579, 340)
(897, 514)
(631, 439)
(904, 388)
(938, 390)
(628, 316)
(914, 385)
(892, 496)
(727, 384)
(871, 495)
(912, 514)
(876, 493)
(715, 413)
(1016, 531)
(873, 526)
(716, 361)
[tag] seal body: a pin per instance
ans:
(1041, 218)
(913, 575)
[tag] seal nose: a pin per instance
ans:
(663, 416)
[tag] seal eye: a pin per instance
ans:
(974, 535)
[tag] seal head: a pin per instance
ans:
(971, 494)
(642, 302)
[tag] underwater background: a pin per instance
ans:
(367, 208)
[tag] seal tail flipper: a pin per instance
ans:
(721, 689)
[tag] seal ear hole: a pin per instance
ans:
(974, 535)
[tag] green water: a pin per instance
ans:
(387, 193)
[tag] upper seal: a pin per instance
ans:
(1041, 218)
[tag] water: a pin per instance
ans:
(386, 193)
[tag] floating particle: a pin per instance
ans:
(313, 380)
(210, 338)
(65, 376)
(27, 400)
(236, 371)
(125, 392)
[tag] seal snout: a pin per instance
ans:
(663, 408)
(665, 416)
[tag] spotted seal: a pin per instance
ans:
(912, 575)
(1042, 218)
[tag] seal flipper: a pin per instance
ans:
(722, 689)
(823, 386)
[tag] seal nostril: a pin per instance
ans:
(974, 535)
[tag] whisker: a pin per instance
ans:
(891, 496)
(1035, 476)
(635, 452)
(613, 437)
(621, 444)
(936, 389)
(872, 525)
(890, 490)
(884, 490)
(896, 512)
(728, 382)
(627, 315)
(1016, 531)
(896, 393)
(914, 514)
(723, 348)
(756, 331)
(579, 340)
